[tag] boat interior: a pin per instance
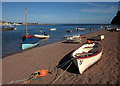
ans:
(88, 50)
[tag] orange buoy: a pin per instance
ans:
(88, 41)
(42, 73)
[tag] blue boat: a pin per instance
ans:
(29, 43)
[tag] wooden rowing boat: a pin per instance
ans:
(86, 55)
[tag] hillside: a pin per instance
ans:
(116, 19)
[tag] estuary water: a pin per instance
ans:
(11, 39)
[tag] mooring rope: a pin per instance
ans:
(65, 63)
(61, 74)
(59, 66)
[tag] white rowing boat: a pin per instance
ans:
(86, 55)
(41, 36)
(53, 29)
(73, 38)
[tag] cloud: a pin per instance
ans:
(100, 10)
(43, 16)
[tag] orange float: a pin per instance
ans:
(88, 41)
(42, 73)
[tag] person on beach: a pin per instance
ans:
(100, 27)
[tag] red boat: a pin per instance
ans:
(27, 36)
(69, 31)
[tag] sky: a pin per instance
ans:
(59, 0)
(60, 12)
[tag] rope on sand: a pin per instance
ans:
(65, 63)
(61, 74)
(59, 66)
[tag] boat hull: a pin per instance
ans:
(81, 29)
(41, 36)
(83, 64)
(97, 38)
(84, 60)
(27, 46)
(53, 29)
(29, 43)
(76, 40)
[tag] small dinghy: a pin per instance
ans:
(70, 31)
(86, 55)
(73, 38)
(81, 29)
(96, 38)
(41, 36)
(53, 29)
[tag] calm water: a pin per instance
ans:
(11, 40)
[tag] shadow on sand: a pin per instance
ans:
(71, 42)
(72, 68)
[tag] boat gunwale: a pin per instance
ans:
(101, 48)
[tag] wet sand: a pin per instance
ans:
(105, 71)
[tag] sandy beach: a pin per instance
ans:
(106, 71)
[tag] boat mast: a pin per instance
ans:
(119, 6)
(26, 21)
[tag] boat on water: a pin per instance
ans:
(41, 36)
(81, 29)
(53, 29)
(96, 38)
(69, 31)
(87, 55)
(10, 27)
(28, 41)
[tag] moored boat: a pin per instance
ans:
(80, 29)
(96, 38)
(69, 31)
(73, 38)
(53, 29)
(86, 55)
(67, 36)
(41, 36)
(29, 43)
